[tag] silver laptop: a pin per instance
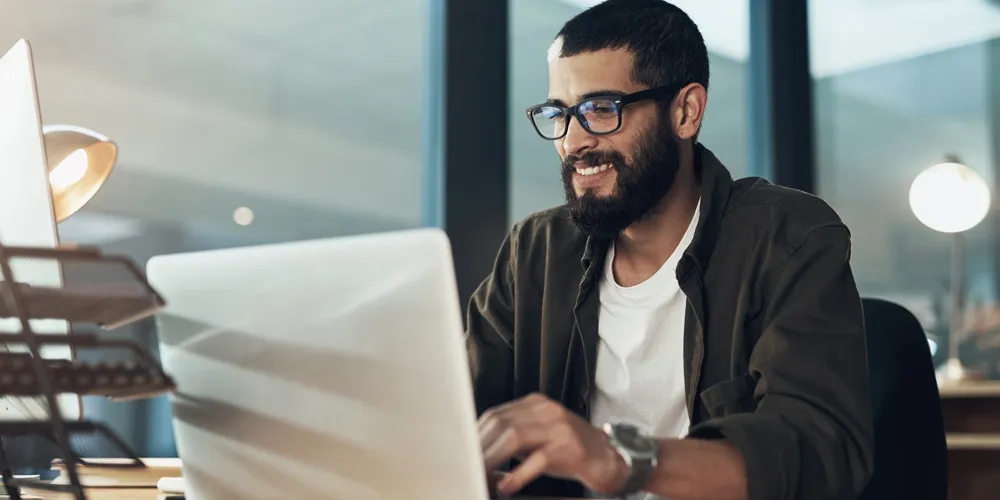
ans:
(27, 217)
(321, 369)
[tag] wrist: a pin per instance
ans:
(637, 457)
(617, 471)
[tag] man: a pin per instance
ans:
(713, 328)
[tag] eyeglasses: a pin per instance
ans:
(599, 115)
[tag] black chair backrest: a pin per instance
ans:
(911, 456)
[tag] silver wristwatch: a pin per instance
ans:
(640, 453)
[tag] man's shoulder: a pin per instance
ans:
(777, 210)
(555, 221)
(551, 229)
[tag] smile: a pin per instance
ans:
(594, 170)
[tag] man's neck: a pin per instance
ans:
(645, 246)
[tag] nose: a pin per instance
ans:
(577, 139)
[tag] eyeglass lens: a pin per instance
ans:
(598, 116)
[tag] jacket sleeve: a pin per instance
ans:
(489, 334)
(811, 436)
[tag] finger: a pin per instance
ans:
(528, 404)
(492, 480)
(489, 431)
(494, 421)
(529, 470)
(515, 441)
(525, 412)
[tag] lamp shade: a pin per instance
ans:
(79, 161)
(950, 197)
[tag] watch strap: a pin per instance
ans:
(641, 466)
(639, 475)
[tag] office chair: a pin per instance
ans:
(911, 457)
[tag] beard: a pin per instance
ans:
(639, 185)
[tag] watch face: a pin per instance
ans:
(631, 439)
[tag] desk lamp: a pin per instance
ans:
(79, 161)
(951, 198)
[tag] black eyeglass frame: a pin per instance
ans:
(620, 102)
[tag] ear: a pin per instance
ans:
(688, 109)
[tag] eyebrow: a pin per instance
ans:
(588, 95)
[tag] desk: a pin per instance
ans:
(972, 425)
(102, 494)
(137, 494)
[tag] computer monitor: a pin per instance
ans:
(27, 217)
(332, 368)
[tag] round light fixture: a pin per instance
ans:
(79, 161)
(950, 197)
(243, 216)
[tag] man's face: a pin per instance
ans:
(611, 181)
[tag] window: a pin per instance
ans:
(237, 124)
(885, 114)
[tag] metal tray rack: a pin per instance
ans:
(25, 373)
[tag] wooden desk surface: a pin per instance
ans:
(137, 494)
(984, 389)
(101, 494)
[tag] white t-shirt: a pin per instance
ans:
(640, 357)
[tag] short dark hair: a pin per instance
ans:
(666, 45)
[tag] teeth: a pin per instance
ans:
(593, 170)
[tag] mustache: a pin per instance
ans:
(593, 159)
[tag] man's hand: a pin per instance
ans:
(550, 440)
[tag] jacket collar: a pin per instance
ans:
(716, 183)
